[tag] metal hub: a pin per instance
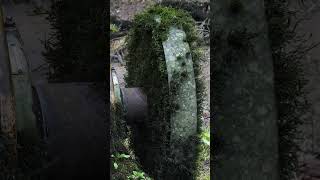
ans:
(132, 100)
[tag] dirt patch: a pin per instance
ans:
(126, 9)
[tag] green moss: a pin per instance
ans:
(289, 82)
(147, 69)
(203, 161)
(114, 28)
(289, 78)
(123, 161)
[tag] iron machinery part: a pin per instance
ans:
(135, 105)
(74, 114)
(133, 101)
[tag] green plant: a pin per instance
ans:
(205, 137)
(203, 161)
(114, 28)
(118, 157)
(123, 160)
(138, 175)
(115, 165)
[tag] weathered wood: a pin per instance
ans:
(245, 125)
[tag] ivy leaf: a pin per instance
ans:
(115, 165)
(206, 142)
(205, 137)
(138, 174)
(123, 156)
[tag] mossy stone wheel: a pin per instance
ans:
(163, 62)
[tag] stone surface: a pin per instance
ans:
(26, 121)
(177, 53)
(21, 85)
(18, 61)
(115, 88)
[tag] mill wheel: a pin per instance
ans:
(162, 100)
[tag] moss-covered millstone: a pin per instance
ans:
(178, 60)
(163, 61)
